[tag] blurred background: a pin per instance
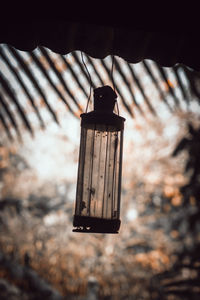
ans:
(156, 254)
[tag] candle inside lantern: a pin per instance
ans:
(100, 166)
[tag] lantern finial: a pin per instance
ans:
(104, 99)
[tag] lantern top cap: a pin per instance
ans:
(104, 98)
(105, 91)
(104, 102)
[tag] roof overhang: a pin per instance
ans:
(131, 33)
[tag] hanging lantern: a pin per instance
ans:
(98, 192)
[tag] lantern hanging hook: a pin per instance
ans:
(111, 74)
(112, 78)
(89, 80)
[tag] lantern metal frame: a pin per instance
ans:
(102, 120)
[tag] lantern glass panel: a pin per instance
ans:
(99, 178)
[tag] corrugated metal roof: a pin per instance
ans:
(130, 34)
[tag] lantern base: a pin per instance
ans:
(95, 225)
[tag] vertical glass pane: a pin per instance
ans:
(99, 175)
(79, 191)
(117, 176)
(87, 174)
